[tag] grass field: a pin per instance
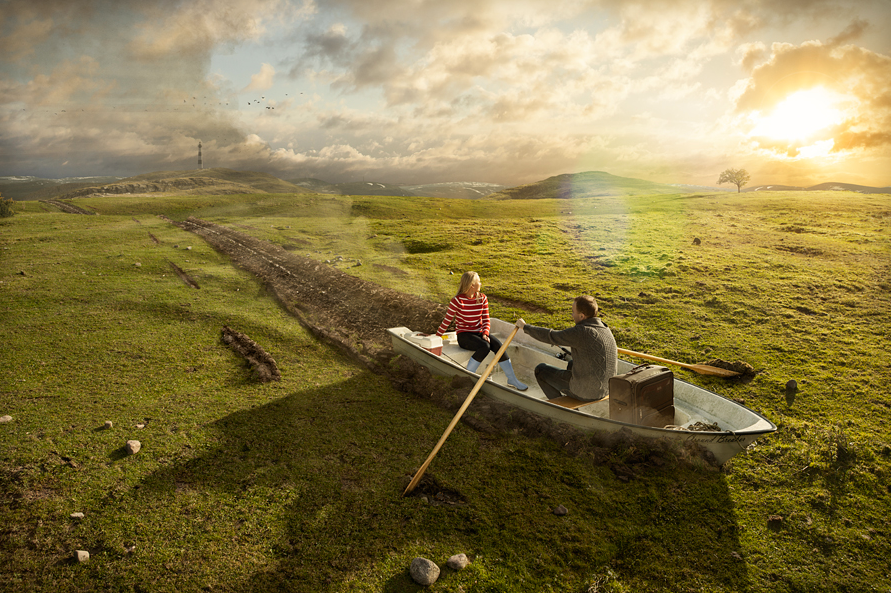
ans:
(296, 485)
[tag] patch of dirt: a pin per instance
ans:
(810, 251)
(154, 238)
(354, 315)
(261, 363)
(390, 269)
(745, 370)
(69, 208)
(183, 276)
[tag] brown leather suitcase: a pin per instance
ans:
(644, 395)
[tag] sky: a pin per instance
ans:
(797, 92)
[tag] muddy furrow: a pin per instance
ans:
(348, 311)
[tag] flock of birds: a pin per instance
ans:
(144, 107)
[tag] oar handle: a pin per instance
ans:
(414, 481)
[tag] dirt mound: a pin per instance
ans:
(744, 369)
(261, 363)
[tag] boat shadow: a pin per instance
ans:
(336, 458)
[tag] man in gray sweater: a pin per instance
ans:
(594, 355)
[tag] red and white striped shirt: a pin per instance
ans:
(470, 315)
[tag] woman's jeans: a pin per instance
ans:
(475, 342)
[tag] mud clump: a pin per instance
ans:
(745, 370)
(261, 363)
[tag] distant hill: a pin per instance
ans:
(36, 188)
(466, 190)
(585, 185)
(198, 181)
(315, 185)
(369, 188)
(830, 186)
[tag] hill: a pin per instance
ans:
(585, 185)
(465, 190)
(218, 181)
(829, 186)
(37, 188)
(368, 188)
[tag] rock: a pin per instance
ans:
(133, 447)
(77, 516)
(696, 241)
(5, 419)
(108, 425)
(189, 248)
(81, 555)
(140, 426)
(424, 572)
(138, 265)
(791, 385)
(458, 561)
(560, 510)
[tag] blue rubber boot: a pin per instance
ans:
(472, 365)
(512, 380)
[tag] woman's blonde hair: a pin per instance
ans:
(466, 280)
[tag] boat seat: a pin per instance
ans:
(573, 403)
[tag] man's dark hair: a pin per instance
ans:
(586, 305)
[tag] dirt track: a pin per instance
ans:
(354, 314)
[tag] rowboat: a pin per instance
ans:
(720, 425)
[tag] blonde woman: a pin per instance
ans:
(470, 310)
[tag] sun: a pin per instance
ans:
(801, 117)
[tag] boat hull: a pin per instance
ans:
(740, 425)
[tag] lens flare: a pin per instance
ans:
(801, 117)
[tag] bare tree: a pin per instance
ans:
(739, 177)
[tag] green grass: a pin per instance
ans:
(296, 485)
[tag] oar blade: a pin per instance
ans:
(704, 369)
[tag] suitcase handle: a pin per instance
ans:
(638, 368)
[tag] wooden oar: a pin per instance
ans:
(414, 481)
(702, 369)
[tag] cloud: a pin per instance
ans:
(263, 80)
(861, 75)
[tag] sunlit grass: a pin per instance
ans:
(295, 485)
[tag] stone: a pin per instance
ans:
(791, 385)
(560, 510)
(81, 555)
(140, 426)
(424, 572)
(133, 447)
(5, 419)
(77, 516)
(697, 241)
(108, 424)
(138, 265)
(458, 561)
